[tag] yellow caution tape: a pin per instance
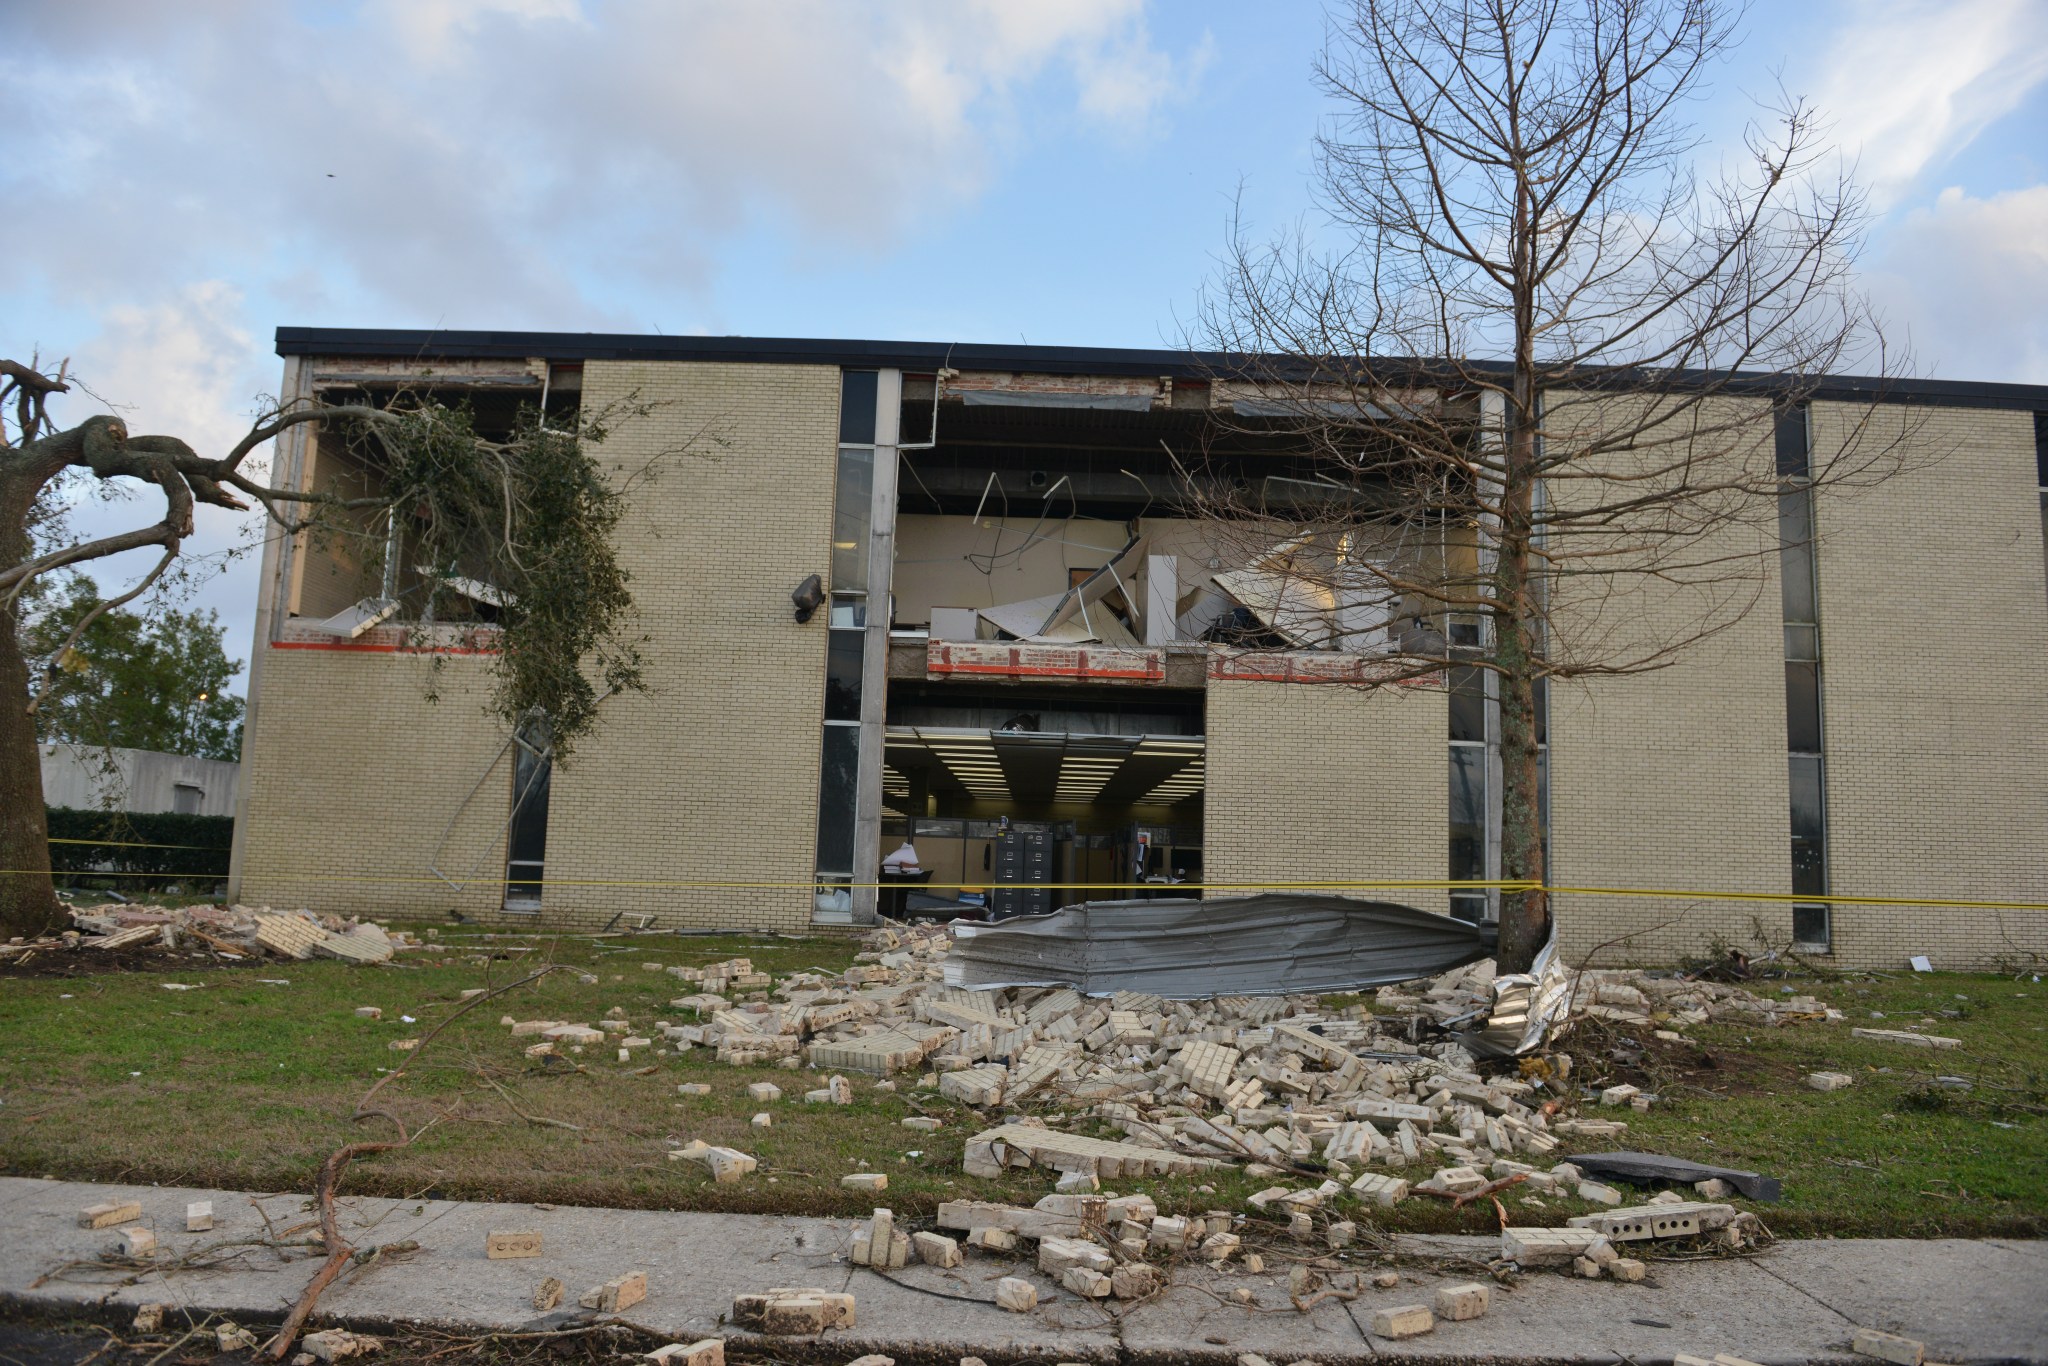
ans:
(1662, 893)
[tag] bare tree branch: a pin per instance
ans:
(1542, 359)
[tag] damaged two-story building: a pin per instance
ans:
(1032, 657)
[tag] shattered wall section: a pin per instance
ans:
(338, 565)
(1328, 782)
(711, 776)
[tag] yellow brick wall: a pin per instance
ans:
(1672, 777)
(1328, 783)
(1934, 643)
(709, 776)
(352, 776)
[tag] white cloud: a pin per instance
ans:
(1909, 83)
(486, 163)
(432, 31)
(1965, 279)
(507, 162)
(180, 366)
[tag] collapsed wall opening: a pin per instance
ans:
(356, 569)
(1019, 800)
(1080, 518)
(1142, 531)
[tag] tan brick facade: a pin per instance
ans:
(1673, 775)
(1328, 783)
(1934, 638)
(712, 775)
(1934, 628)
(709, 777)
(351, 775)
(1674, 779)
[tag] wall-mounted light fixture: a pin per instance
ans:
(808, 597)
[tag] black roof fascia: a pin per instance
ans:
(1045, 360)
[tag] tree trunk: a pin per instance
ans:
(28, 905)
(1524, 916)
(1517, 620)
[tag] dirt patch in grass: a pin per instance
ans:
(89, 962)
(1607, 1054)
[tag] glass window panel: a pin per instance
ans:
(1468, 785)
(1809, 811)
(2041, 448)
(852, 512)
(1811, 927)
(857, 407)
(1542, 711)
(1468, 704)
(837, 780)
(1802, 642)
(849, 611)
(1802, 707)
(527, 838)
(842, 675)
(1791, 442)
(1468, 906)
(1809, 868)
(1468, 812)
(1468, 855)
(1795, 556)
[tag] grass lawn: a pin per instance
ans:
(247, 1083)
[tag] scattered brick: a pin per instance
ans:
(505, 1244)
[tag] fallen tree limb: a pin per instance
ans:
(339, 1251)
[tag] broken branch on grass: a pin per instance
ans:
(339, 1251)
(513, 1106)
(1489, 1192)
(434, 1033)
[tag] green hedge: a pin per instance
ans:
(202, 853)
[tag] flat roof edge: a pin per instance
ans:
(429, 345)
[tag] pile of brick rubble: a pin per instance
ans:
(1276, 1085)
(228, 932)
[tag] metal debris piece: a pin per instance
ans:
(1527, 1007)
(1182, 949)
(1643, 1169)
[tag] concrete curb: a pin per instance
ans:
(1970, 1301)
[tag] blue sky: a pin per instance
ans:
(183, 179)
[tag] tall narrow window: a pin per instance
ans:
(1477, 786)
(526, 844)
(2041, 471)
(852, 524)
(1806, 766)
(1469, 790)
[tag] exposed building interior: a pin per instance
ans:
(1123, 534)
(355, 572)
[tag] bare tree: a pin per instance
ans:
(1542, 366)
(531, 514)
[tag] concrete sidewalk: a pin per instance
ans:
(1970, 1301)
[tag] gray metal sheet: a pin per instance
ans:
(1275, 943)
